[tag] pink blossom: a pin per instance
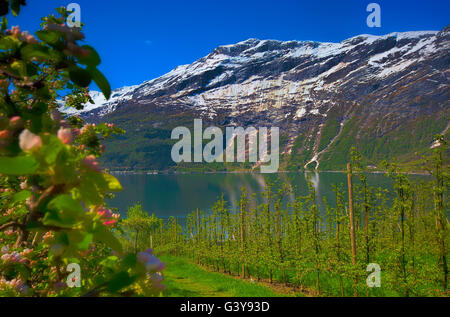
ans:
(143, 257)
(31, 39)
(26, 252)
(15, 30)
(9, 232)
(65, 135)
(90, 162)
(47, 236)
(17, 284)
(104, 212)
(109, 222)
(152, 263)
(12, 257)
(4, 134)
(15, 256)
(9, 212)
(109, 217)
(4, 249)
(15, 122)
(85, 128)
(29, 141)
(156, 279)
(23, 185)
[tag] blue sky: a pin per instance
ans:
(140, 40)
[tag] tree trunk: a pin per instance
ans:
(352, 223)
(151, 240)
(136, 241)
(243, 240)
(441, 219)
(198, 236)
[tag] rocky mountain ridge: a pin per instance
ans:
(372, 92)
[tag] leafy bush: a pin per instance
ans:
(52, 210)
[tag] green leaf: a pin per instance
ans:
(129, 261)
(92, 60)
(32, 69)
(35, 51)
(64, 212)
(39, 108)
(15, 7)
(110, 262)
(86, 241)
(113, 183)
(21, 196)
(80, 76)
(119, 281)
(43, 94)
(67, 203)
(7, 43)
(51, 149)
(48, 36)
(59, 218)
(19, 165)
(20, 68)
(104, 234)
(87, 192)
(4, 24)
(101, 81)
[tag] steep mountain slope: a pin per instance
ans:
(387, 95)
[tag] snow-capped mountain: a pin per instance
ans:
(102, 106)
(316, 92)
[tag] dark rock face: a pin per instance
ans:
(383, 85)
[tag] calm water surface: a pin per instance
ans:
(177, 195)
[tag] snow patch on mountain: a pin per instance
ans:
(107, 106)
(231, 76)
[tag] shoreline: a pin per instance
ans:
(133, 172)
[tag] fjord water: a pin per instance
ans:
(177, 195)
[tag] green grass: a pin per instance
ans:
(404, 144)
(329, 131)
(186, 279)
(301, 151)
